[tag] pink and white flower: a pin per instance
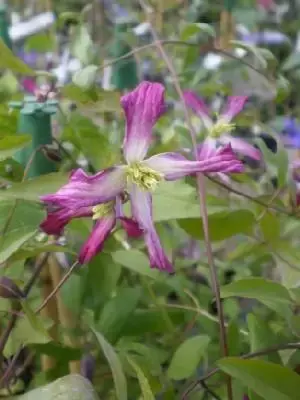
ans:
(219, 131)
(100, 196)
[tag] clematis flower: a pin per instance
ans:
(99, 195)
(291, 133)
(219, 132)
(267, 5)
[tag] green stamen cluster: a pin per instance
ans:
(221, 127)
(144, 177)
(102, 210)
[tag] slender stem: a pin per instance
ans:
(66, 318)
(253, 199)
(159, 306)
(29, 285)
(258, 353)
(211, 49)
(202, 198)
(57, 288)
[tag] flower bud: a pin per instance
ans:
(9, 290)
(51, 153)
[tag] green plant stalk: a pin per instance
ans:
(203, 207)
(159, 306)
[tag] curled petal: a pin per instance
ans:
(195, 102)
(131, 227)
(234, 105)
(242, 147)
(83, 190)
(141, 202)
(56, 220)
(174, 166)
(96, 240)
(207, 149)
(143, 106)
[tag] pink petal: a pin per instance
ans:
(96, 240)
(143, 107)
(195, 102)
(174, 166)
(234, 106)
(55, 221)
(83, 190)
(131, 227)
(242, 147)
(207, 149)
(29, 85)
(142, 211)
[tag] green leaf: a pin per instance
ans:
(14, 64)
(262, 336)
(272, 294)
(13, 241)
(30, 251)
(270, 225)
(135, 261)
(87, 137)
(143, 381)
(117, 311)
(222, 225)
(86, 77)
(142, 322)
(40, 43)
(82, 46)
(178, 200)
(68, 387)
(291, 62)
(252, 50)
(26, 332)
(10, 144)
(34, 320)
(195, 28)
(32, 189)
(270, 381)
(115, 365)
(101, 281)
(187, 357)
(234, 339)
(282, 162)
(19, 224)
(96, 99)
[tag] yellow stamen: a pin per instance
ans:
(144, 177)
(221, 127)
(102, 210)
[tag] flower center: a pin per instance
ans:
(144, 177)
(102, 210)
(221, 127)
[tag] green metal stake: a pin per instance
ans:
(124, 72)
(4, 26)
(35, 119)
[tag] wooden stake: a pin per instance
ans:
(227, 30)
(50, 311)
(66, 318)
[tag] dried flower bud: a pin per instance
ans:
(51, 153)
(88, 366)
(9, 290)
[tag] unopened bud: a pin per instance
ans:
(9, 290)
(51, 153)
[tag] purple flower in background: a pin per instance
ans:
(219, 131)
(267, 5)
(29, 85)
(291, 132)
(266, 37)
(100, 196)
(29, 58)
